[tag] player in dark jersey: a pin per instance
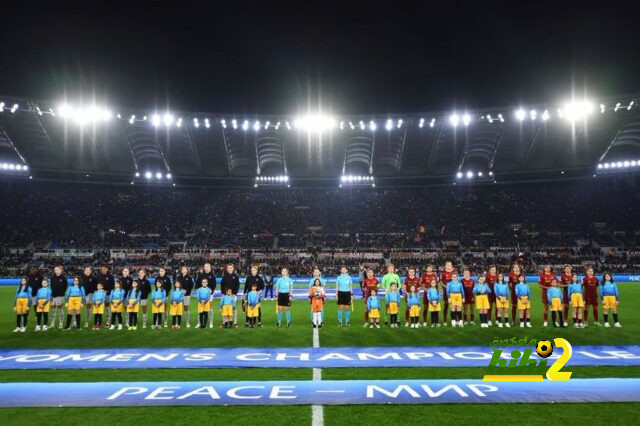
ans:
(491, 279)
(590, 286)
(369, 283)
(469, 298)
(516, 270)
(108, 282)
(445, 277)
(411, 280)
(565, 280)
(166, 286)
(425, 280)
(144, 286)
(545, 282)
(90, 284)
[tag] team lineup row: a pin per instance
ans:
(491, 293)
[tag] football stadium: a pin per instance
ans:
(458, 251)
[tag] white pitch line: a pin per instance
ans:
(317, 411)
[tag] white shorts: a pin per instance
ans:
(143, 302)
(187, 300)
(88, 300)
(58, 301)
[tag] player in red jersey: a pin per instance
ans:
(445, 277)
(545, 282)
(565, 280)
(411, 280)
(469, 298)
(491, 278)
(368, 283)
(425, 279)
(516, 271)
(590, 286)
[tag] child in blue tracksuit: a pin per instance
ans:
(116, 301)
(392, 302)
(414, 303)
(133, 305)
(228, 307)
(203, 295)
(576, 299)
(99, 301)
(74, 298)
(455, 295)
(523, 293)
(482, 291)
(610, 300)
(501, 290)
(554, 294)
(158, 300)
(177, 305)
(253, 305)
(373, 308)
(21, 306)
(43, 303)
(434, 296)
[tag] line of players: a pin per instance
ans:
(102, 294)
(493, 294)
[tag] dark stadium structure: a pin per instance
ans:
(510, 143)
(169, 188)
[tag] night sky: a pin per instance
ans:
(350, 56)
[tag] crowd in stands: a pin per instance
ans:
(576, 222)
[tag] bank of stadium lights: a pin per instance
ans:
(272, 180)
(615, 165)
(245, 125)
(82, 115)
(315, 123)
(158, 176)
(357, 180)
(13, 167)
(472, 175)
(576, 110)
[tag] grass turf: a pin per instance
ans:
(300, 335)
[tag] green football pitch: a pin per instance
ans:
(300, 334)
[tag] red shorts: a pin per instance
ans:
(469, 297)
(590, 296)
(543, 293)
(514, 297)
(565, 295)
(492, 296)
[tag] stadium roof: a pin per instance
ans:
(66, 141)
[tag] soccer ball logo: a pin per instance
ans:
(544, 349)
(317, 293)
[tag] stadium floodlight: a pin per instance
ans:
(626, 164)
(389, 124)
(454, 119)
(169, 176)
(469, 175)
(459, 175)
(196, 123)
(4, 166)
(619, 164)
(362, 126)
(234, 123)
(159, 176)
(1, 106)
(617, 107)
(277, 125)
(490, 173)
(577, 110)
(630, 106)
(315, 122)
(533, 114)
(137, 174)
(480, 174)
(432, 122)
(223, 122)
(466, 119)
(399, 123)
(342, 125)
(606, 165)
(602, 108)
(179, 122)
(520, 114)
(207, 124)
(155, 120)
(148, 175)
(599, 166)
(421, 123)
(545, 115)
(14, 108)
(501, 118)
(167, 119)
(256, 125)
(245, 125)
(489, 119)
(132, 119)
(372, 126)
(266, 125)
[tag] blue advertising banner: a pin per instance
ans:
(330, 392)
(324, 357)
